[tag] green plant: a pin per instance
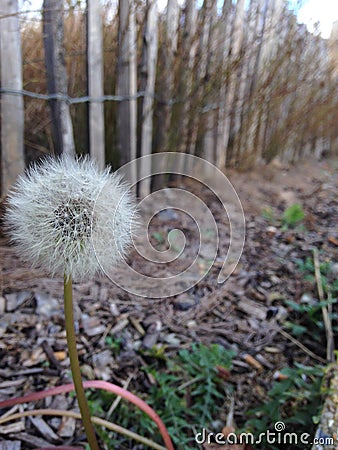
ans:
(155, 352)
(293, 215)
(55, 212)
(329, 281)
(310, 316)
(159, 238)
(307, 316)
(196, 401)
(188, 395)
(295, 400)
(114, 343)
(268, 214)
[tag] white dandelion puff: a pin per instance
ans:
(61, 207)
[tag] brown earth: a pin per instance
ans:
(247, 313)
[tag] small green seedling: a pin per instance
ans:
(292, 216)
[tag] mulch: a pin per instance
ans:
(245, 314)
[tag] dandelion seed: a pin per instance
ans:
(60, 207)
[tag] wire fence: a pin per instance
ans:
(86, 98)
(74, 100)
(233, 94)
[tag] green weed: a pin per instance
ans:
(292, 216)
(188, 395)
(268, 214)
(296, 401)
(308, 317)
(311, 318)
(329, 282)
(159, 238)
(114, 344)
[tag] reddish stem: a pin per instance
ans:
(96, 384)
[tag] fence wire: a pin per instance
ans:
(86, 98)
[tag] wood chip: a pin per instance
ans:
(60, 356)
(14, 427)
(251, 308)
(37, 356)
(10, 445)
(242, 364)
(50, 354)
(258, 294)
(102, 359)
(103, 294)
(272, 349)
(92, 325)
(252, 361)
(114, 310)
(16, 299)
(279, 376)
(121, 324)
(153, 333)
(136, 324)
(333, 240)
(46, 305)
(32, 441)
(150, 340)
(264, 361)
(14, 383)
(67, 427)
(44, 429)
(7, 392)
(94, 291)
(2, 305)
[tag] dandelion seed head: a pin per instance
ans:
(65, 215)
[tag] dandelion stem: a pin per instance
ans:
(75, 366)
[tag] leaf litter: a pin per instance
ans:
(246, 314)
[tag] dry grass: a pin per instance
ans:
(295, 91)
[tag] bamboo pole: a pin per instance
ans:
(12, 113)
(57, 82)
(127, 85)
(95, 81)
(148, 74)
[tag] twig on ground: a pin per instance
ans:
(117, 400)
(230, 415)
(96, 384)
(301, 346)
(325, 312)
(96, 420)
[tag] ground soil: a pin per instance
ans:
(246, 313)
